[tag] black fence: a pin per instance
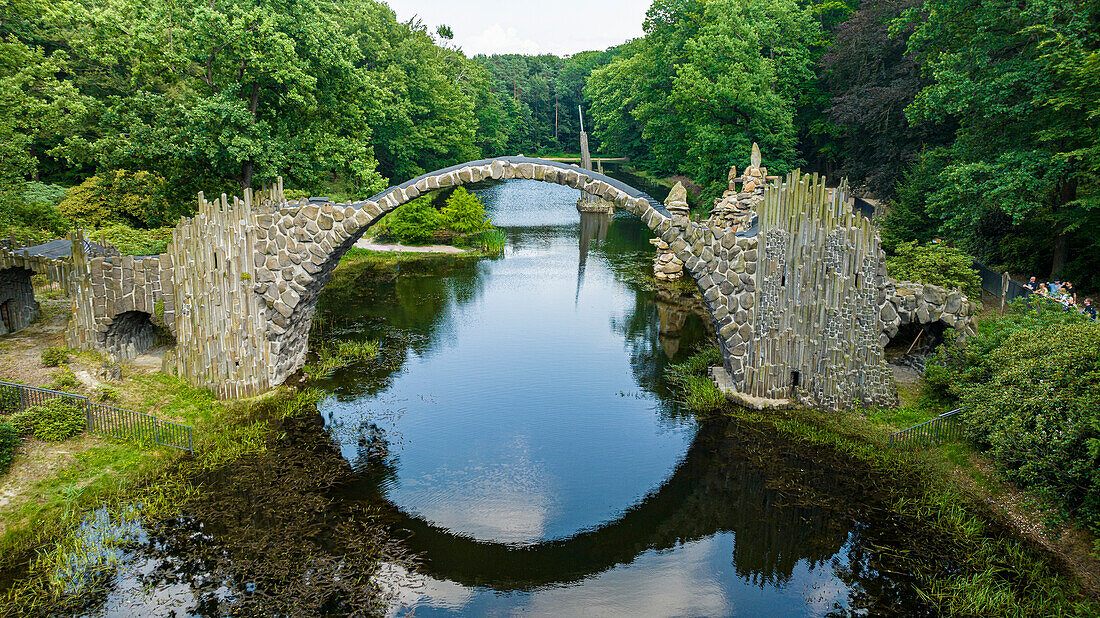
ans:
(102, 419)
(999, 284)
(947, 426)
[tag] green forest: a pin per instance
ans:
(976, 121)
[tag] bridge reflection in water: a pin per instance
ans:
(783, 529)
(791, 510)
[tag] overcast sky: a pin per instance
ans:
(559, 27)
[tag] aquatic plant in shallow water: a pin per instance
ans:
(492, 241)
(335, 355)
(88, 558)
(699, 392)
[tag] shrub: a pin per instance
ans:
(42, 193)
(9, 400)
(117, 196)
(956, 366)
(65, 380)
(9, 440)
(106, 393)
(464, 213)
(415, 222)
(53, 421)
(132, 241)
(52, 357)
(935, 264)
(1038, 415)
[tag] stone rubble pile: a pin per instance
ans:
(736, 209)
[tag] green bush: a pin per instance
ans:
(10, 401)
(42, 193)
(1038, 413)
(133, 241)
(52, 357)
(65, 380)
(464, 213)
(9, 440)
(415, 222)
(119, 196)
(936, 264)
(959, 365)
(106, 393)
(57, 419)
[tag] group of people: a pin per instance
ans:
(1062, 292)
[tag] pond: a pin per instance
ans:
(517, 437)
(530, 451)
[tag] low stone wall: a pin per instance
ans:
(109, 287)
(57, 271)
(18, 308)
(915, 303)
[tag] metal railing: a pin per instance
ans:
(102, 419)
(947, 426)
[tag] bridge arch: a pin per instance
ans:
(801, 302)
(303, 243)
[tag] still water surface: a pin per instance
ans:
(531, 452)
(518, 436)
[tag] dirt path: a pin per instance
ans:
(21, 352)
(366, 244)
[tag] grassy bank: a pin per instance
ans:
(53, 488)
(972, 558)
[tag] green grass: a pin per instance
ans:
(335, 355)
(42, 531)
(697, 391)
(491, 241)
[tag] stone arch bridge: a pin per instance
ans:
(800, 300)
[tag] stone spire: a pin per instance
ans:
(677, 200)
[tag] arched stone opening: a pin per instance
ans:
(132, 334)
(241, 279)
(914, 337)
(311, 239)
(18, 307)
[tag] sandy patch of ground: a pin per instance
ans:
(21, 352)
(363, 243)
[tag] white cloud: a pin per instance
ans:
(563, 27)
(497, 40)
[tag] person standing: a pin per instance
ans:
(1089, 309)
(1032, 284)
(1070, 292)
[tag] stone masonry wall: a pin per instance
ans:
(16, 287)
(239, 283)
(16, 300)
(108, 287)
